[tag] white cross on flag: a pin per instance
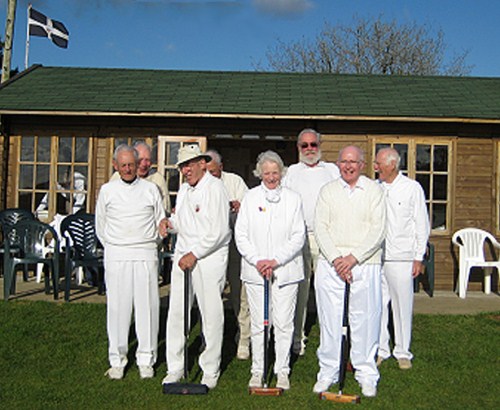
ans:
(42, 26)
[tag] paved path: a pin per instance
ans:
(443, 302)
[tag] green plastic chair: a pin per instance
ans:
(82, 249)
(31, 239)
(10, 217)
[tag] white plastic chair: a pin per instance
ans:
(470, 242)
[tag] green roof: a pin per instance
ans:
(68, 90)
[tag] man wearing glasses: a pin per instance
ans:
(350, 226)
(306, 178)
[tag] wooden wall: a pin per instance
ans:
(474, 165)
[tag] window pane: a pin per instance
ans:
(439, 216)
(65, 148)
(173, 179)
(43, 151)
(424, 180)
(26, 177)
(63, 177)
(27, 148)
(42, 176)
(80, 178)
(378, 147)
(119, 141)
(25, 200)
(439, 188)
(423, 157)
(154, 152)
(82, 150)
(402, 150)
(440, 158)
(172, 152)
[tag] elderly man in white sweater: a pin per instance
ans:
(201, 221)
(349, 229)
(270, 233)
(405, 245)
(128, 213)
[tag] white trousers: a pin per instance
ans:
(282, 302)
(364, 320)
(244, 318)
(310, 253)
(238, 295)
(132, 286)
(397, 288)
(207, 283)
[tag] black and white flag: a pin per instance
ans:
(42, 26)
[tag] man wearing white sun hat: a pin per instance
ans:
(201, 221)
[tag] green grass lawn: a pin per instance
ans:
(53, 356)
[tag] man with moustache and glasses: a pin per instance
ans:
(306, 178)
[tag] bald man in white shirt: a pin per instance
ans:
(408, 231)
(128, 213)
(350, 228)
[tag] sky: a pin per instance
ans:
(234, 35)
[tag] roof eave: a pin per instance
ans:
(329, 117)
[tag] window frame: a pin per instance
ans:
(53, 163)
(412, 172)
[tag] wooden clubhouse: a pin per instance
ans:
(61, 122)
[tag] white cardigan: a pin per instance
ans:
(351, 221)
(266, 230)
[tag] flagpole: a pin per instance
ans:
(27, 39)
(9, 34)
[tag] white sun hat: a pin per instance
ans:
(189, 152)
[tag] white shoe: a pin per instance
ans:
(209, 381)
(255, 380)
(368, 390)
(172, 378)
(146, 372)
(283, 381)
(243, 352)
(404, 364)
(114, 373)
(321, 386)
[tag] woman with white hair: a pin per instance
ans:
(270, 233)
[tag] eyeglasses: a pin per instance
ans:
(349, 162)
(309, 144)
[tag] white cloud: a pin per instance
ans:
(283, 7)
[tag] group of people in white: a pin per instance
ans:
(314, 216)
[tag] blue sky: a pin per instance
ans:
(234, 35)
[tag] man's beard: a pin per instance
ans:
(310, 160)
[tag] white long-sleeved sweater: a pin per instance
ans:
(127, 219)
(351, 221)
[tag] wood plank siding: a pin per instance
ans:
(460, 115)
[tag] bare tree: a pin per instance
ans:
(369, 47)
